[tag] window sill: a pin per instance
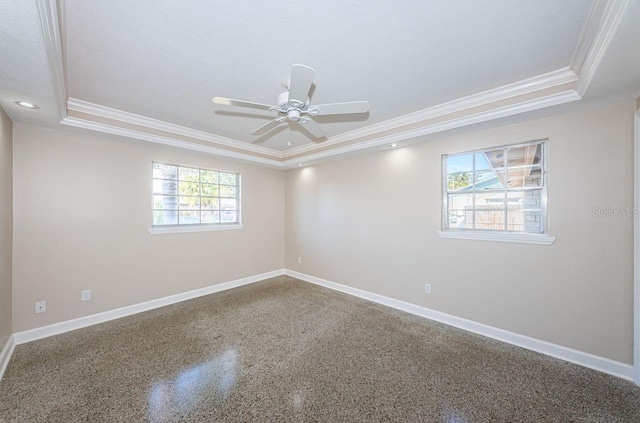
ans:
(499, 237)
(157, 230)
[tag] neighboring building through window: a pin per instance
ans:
(190, 196)
(496, 189)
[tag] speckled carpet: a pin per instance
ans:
(286, 350)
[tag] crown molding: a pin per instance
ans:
(138, 120)
(517, 108)
(537, 83)
(51, 23)
(588, 35)
(603, 23)
(173, 142)
(602, 26)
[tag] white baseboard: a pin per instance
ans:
(605, 365)
(81, 322)
(6, 354)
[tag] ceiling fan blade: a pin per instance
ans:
(232, 102)
(268, 127)
(300, 83)
(339, 108)
(313, 128)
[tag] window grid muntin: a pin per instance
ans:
(543, 188)
(200, 209)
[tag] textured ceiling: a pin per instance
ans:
(155, 59)
(619, 73)
(24, 70)
(166, 59)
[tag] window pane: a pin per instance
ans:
(227, 191)
(461, 163)
(161, 186)
(530, 199)
(460, 201)
(532, 221)
(228, 178)
(228, 217)
(489, 179)
(228, 204)
(209, 176)
(459, 181)
(210, 217)
(189, 188)
(506, 185)
(189, 174)
(165, 171)
(524, 156)
(189, 217)
(482, 163)
(525, 177)
(210, 190)
(490, 160)
(515, 220)
(489, 220)
(460, 219)
(191, 196)
(189, 203)
(163, 202)
(165, 217)
(534, 178)
(489, 200)
(210, 203)
(515, 200)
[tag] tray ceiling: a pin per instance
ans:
(148, 69)
(167, 59)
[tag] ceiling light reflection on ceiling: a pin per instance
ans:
(26, 105)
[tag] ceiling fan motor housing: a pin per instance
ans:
(293, 115)
(293, 110)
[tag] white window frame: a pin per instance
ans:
(542, 237)
(197, 227)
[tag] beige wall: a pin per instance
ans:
(370, 222)
(82, 214)
(6, 225)
(82, 211)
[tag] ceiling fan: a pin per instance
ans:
(294, 105)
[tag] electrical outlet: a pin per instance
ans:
(41, 307)
(427, 288)
(299, 260)
(86, 295)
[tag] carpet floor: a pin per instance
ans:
(286, 350)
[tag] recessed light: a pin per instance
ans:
(27, 105)
(299, 164)
(394, 145)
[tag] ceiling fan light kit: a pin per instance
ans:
(295, 106)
